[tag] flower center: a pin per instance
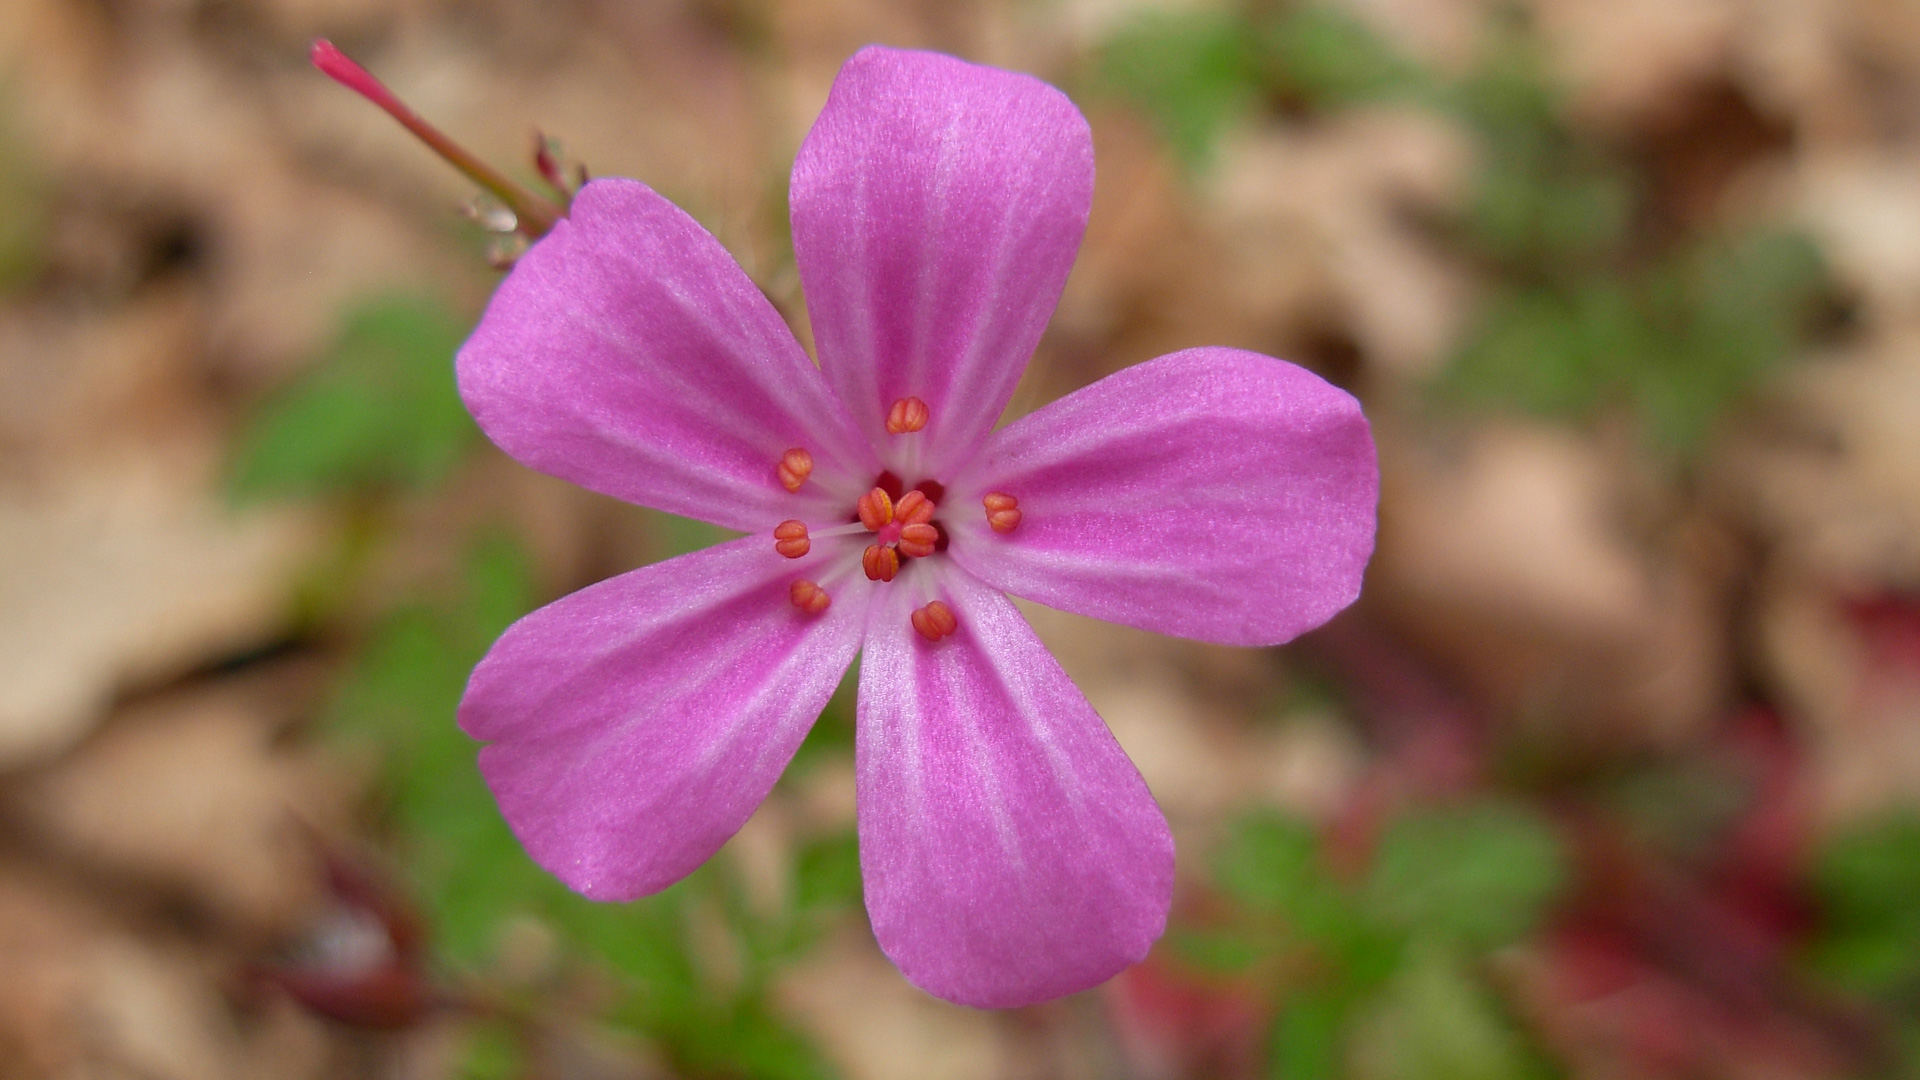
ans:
(901, 524)
(899, 520)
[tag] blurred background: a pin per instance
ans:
(1612, 772)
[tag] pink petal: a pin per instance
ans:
(1212, 493)
(628, 353)
(937, 206)
(635, 725)
(1011, 851)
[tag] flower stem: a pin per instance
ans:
(533, 215)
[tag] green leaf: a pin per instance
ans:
(493, 1053)
(1191, 72)
(1733, 309)
(1271, 861)
(827, 873)
(1435, 1021)
(1325, 57)
(1867, 879)
(745, 1040)
(1309, 1034)
(378, 410)
(1480, 874)
(1228, 951)
(1548, 203)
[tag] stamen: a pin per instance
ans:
(880, 563)
(914, 508)
(808, 597)
(907, 414)
(849, 529)
(876, 509)
(934, 621)
(1003, 512)
(917, 540)
(790, 539)
(795, 466)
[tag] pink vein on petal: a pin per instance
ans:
(1011, 851)
(1213, 493)
(937, 207)
(627, 352)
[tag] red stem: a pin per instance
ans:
(534, 215)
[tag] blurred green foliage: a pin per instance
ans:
(1195, 71)
(1478, 875)
(1868, 883)
(1377, 972)
(379, 410)
(1581, 314)
(1192, 72)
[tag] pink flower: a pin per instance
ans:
(1010, 850)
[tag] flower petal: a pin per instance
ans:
(937, 206)
(1212, 493)
(1011, 851)
(636, 724)
(628, 353)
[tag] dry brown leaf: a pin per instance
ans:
(81, 996)
(1308, 216)
(1834, 479)
(123, 572)
(1508, 555)
(1864, 210)
(1626, 60)
(191, 794)
(875, 1026)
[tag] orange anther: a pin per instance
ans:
(795, 466)
(808, 597)
(907, 414)
(917, 540)
(1003, 512)
(880, 563)
(914, 508)
(790, 539)
(934, 621)
(876, 509)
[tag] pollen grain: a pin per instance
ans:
(880, 562)
(876, 509)
(1003, 512)
(808, 597)
(934, 621)
(907, 414)
(917, 541)
(795, 466)
(790, 539)
(914, 508)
